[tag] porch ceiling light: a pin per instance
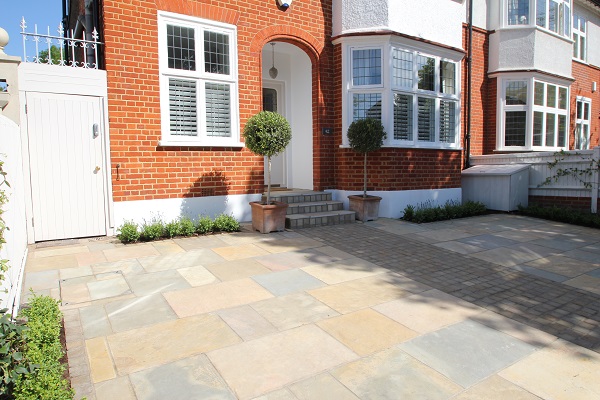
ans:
(284, 3)
(273, 71)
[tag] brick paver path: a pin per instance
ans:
(564, 311)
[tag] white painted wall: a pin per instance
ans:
(593, 31)
(393, 202)
(481, 11)
(15, 248)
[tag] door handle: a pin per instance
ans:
(95, 130)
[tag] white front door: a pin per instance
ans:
(68, 178)
(273, 101)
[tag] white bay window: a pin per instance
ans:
(198, 82)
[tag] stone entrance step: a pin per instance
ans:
(308, 208)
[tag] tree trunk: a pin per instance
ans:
(269, 181)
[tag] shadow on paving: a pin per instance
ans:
(560, 310)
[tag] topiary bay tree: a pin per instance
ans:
(366, 135)
(267, 134)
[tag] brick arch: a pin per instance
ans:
(190, 7)
(283, 33)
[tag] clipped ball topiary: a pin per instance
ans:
(366, 135)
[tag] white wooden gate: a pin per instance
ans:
(66, 154)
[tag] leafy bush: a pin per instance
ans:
(427, 212)
(153, 230)
(560, 214)
(186, 227)
(204, 225)
(226, 223)
(13, 364)
(172, 229)
(43, 348)
(364, 136)
(128, 232)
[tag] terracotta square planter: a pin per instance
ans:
(366, 208)
(268, 217)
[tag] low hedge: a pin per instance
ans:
(562, 214)
(427, 212)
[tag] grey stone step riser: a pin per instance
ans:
(311, 222)
(306, 209)
(300, 198)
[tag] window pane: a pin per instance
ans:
(582, 48)
(402, 71)
(562, 131)
(551, 97)
(269, 99)
(538, 128)
(553, 16)
(366, 67)
(447, 121)
(183, 118)
(403, 117)
(216, 53)
(426, 121)
(579, 109)
(181, 48)
(567, 21)
(447, 77)
(586, 111)
(578, 137)
(518, 12)
(366, 105)
(539, 94)
(218, 114)
(562, 98)
(516, 93)
(541, 13)
(516, 126)
(586, 137)
(550, 129)
(575, 45)
(426, 67)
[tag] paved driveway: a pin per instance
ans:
(494, 307)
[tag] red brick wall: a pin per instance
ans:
(148, 171)
(579, 203)
(584, 76)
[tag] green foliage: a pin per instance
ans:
(128, 232)
(13, 363)
(427, 212)
(226, 223)
(366, 135)
(172, 229)
(155, 229)
(583, 175)
(186, 226)
(54, 55)
(267, 133)
(562, 214)
(204, 225)
(44, 349)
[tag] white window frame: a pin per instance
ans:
(199, 25)
(530, 108)
(565, 6)
(581, 122)
(516, 22)
(387, 90)
(578, 34)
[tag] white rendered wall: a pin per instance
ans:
(480, 13)
(593, 32)
(393, 202)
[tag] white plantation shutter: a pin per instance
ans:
(426, 110)
(447, 121)
(218, 110)
(403, 117)
(182, 107)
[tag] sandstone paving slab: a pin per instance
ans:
(240, 238)
(564, 265)
(496, 388)
(165, 247)
(281, 394)
(240, 251)
(443, 235)
(94, 321)
(428, 311)
(488, 241)
(507, 257)
(101, 363)
(585, 282)
(595, 273)
(366, 292)
(41, 280)
(542, 273)
(366, 331)
(157, 282)
(169, 341)
(344, 270)
(138, 312)
(98, 245)
(286, 282)
(237, 269)
(519, 236)
(565, 242)
(50, 263)
(246, 322)
(259, 366)
(322, 386)
(293, 310)
(197, 276)
(130, 251)
(285, 245)
(115, 389)
(393, 374)
(92, 257)
(74, 294)
(298, 259)
(593, 248)
(459, 247)
(200, 242)
(70, 273)
(192, 258)
(190, 378)
(583, 255)
(562, 371)
(59, 251)
(467, 352)
(126, 267)
(111, 284)
(203, 299)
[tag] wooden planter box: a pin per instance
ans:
(268, 217)
(366, 208)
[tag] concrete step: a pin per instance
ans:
(314, 207)
(299, 221)
(298, 196)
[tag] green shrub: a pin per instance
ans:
(562, 214)
(427, 212)
(204, 225)
(13, 364)
(43, 348)
(153, 230)
(186, 226)
(226, 223)
(409, 212)
(128, 232)
(172, 229)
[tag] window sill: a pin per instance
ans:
(166, 143)
(412, 147)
